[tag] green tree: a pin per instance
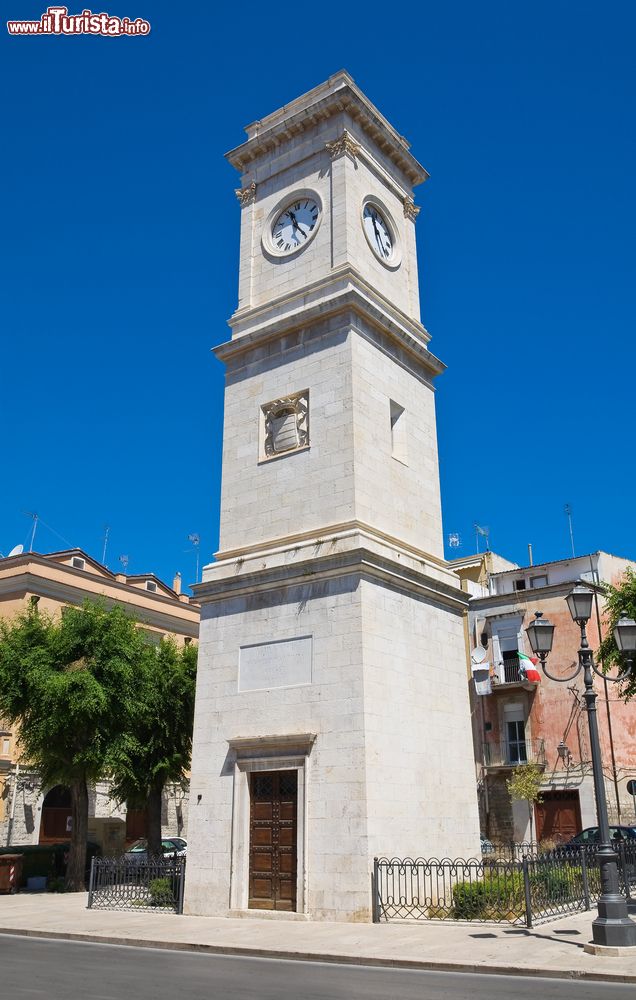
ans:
(618, 600)
(158, 745)
(525, 786)
(69, 685)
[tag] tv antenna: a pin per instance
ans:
(484, 533)
(196, 541)
(35, 524)
(124, 560)
(568, 514)
(106, 534)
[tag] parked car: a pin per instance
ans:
(590, 835)
(487, 846)
(170, 847)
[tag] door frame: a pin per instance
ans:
(253, 755)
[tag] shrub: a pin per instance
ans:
(547, 845)
(497, 896)
(161, 893)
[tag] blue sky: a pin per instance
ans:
(114, 284)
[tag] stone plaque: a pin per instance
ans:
(286, 663)
(285, 424)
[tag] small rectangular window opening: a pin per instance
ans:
(151, 586)
(78, 563)
(398, 432)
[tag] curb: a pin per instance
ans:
(299, 956)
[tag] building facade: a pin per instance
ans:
(30, 814)
(516, 721)
(332, 714)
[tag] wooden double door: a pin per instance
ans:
(273, 833)
(558, 816)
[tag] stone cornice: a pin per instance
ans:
(250, 746)
(339, 94)
(327, 534)
(276, 310)
(351, 295)
(358, 561)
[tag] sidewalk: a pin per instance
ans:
(554, 949)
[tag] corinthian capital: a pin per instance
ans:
(411, 210)
(246, 195)
(344, 145)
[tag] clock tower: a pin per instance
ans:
(332, 720)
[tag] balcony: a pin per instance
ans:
(514, 752)
(507, 673)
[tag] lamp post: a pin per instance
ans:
(612, 927)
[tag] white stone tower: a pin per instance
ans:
(332, 720)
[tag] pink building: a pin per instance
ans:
(516, 721)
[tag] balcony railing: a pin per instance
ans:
(507, 672)
(510, 753)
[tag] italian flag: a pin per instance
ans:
(528, 667)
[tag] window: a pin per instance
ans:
(78, 563)
(516, 739)
(151, 586)
(538, 581)
(520, 584)
(152, 638)
(6, 743)
(398, 432)
(285, 424)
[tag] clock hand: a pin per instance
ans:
(377, 237)
(296, 226)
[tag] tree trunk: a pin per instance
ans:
(76, 866)
(154, 820)
(530, 817)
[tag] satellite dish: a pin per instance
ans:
(479, 654)
(17, 550)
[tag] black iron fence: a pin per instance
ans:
(521, 889)
(154, 884)
(510, 850)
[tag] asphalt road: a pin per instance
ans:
(65, 970)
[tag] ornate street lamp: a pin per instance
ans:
(612, 927)
(564, 753)
(579, 601)
(540, 633)
(625, 639)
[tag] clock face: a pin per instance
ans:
(295, 224)
(378, 232)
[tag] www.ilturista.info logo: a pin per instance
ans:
(58, 21)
